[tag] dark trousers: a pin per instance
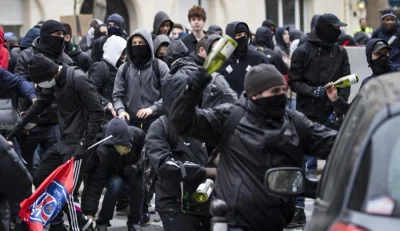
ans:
(50, 161)
(115, 188)
(177, 221)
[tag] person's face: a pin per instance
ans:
(110, 24)
(272, 28)
(381, 52)
(363, 23)
(138, 40)
(197, 23)
(164, 28)
(162, 51)
(286, 37)
(273, 91)
(67, 38)
(202, 52)
(58, 34)
(241, 34)
(389, 22)
(176, 32)
(103, 29)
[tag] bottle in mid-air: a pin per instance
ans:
(220, 53)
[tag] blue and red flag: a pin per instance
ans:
(50, 197)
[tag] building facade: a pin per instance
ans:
(19, 15)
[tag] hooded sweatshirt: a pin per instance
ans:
(27, 41)
(385, 34)
(281, 47)
(159, 19)
(235, 68)
(117, 19)
(4, 55)
(159, 40)
(140, 88)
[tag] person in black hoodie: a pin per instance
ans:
(115, 24)
(270, 25)
(282, 38)
(377, 52)
(214, 29)
(315, 63)
(264, 45)
(80, 58)
(116, 163)
(162, 24)
(241, 61)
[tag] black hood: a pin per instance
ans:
(159, 19)
(295, 34)
(197, 58)
(117, 19)
(176, 50)
(27, 41)
(313, 38)
(231, 29)
(264, 37)
(210, 40)
(120, 131)
(314, 21)
(279, 37)
(97, 34)
(269, 23)
(347, 40)
(213, 28)
(361, 38)
(368, 48)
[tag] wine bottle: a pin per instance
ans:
(219, 54)
(345, 81)
(204, 191)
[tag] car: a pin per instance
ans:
(360, 187)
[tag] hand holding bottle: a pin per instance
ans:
(319, 92)
(331, 90)
(211, 173)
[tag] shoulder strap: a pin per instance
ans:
(214, 77)
(125, 69)
(156, 69)
(168, 133)
(231, 123)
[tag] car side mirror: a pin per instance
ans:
(285, 181)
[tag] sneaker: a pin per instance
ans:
(134, 228)
(145, 219)
(312, 175)
(101, 228)
(299, 218)
(124, 211)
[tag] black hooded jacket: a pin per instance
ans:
(315, 64)
(159, 19)
(235, 68)
(281, 47)
(256, 145)
(108, 162)
(80, 58)
(269, 23)
(264, 45)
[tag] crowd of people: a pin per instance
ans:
(173, 125)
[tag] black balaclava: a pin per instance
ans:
(326, 32)
(51, 45)
(67, 46)
(381, 65)
(140, 54)
(242, 41)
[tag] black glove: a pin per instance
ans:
(80, 151)
(17, 128)
(319, 92)
(131, 170)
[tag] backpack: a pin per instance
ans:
(154, 65)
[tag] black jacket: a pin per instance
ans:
(168, 153)
(256, 145)
(383, 33)
(97, 48)
(80, 58)
(103, 75)
(315, 64)
(109, 162)
(190, 42)
(235, 68)
(49, 116)
(79, 108)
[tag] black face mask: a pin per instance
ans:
(113, 30)
(273, 107)
(140, 54)
(381, 65)
(160, 57)
(52, 45)
(241, 49)
(327, 33)
(119, 63)
(67, 46)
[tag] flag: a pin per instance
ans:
(49, 198)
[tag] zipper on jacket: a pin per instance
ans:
(237, 60)
(331, 55)
(319, 51)
(139, 72)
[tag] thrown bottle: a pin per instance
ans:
(345, 81)
(219, 54)
(204, 191)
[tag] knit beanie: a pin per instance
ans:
(261, 78)
(41, 69)
(51, 26)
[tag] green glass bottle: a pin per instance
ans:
(204, 191)
(220, 53)
(346, 81)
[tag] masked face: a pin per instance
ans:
(122, 149)
(327, 33)
(67, 46)
(274, 106)
(52, 45)
(47, 84)
(242, 46)
(113, 30)
(380, 65)
(139, 54)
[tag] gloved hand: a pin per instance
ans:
(131, 170)
(17, 128)
(80, 151)
(319, 92)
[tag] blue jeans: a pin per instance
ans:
(310, 165)
(115, 188)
